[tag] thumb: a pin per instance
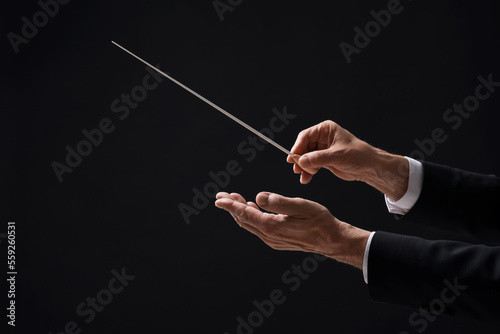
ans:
(285, 205)
(317, 159)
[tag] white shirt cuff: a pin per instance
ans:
(405, 203)
(365, 257)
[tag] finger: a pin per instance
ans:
(241, 199)
(319, 158)
(238, 197)
(311, 171)
(305, 178)
(316, 137)
(314, 159)
(297, 169)
(253, 205)
(231, 197)
(243, 213)
(220, 202)
(257, 224)
(306, 140)
(285, 205)
(221, 194)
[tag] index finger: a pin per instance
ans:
(310, 139)
(302, 143)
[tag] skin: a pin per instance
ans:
(301, 225)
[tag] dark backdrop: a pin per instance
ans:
(118, 210)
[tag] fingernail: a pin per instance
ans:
(263, 199)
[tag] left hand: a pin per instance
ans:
(297, 224)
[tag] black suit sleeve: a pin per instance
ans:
(458, 200)
(449, 277)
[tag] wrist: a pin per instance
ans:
(389, 174)
(351, 245)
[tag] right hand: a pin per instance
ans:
(330, 146)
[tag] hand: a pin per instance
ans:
(297, 224)
(330, 146)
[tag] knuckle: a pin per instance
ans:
(302, 135)
(322, 210)
(240, 217)
(332, 123)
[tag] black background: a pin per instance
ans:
(119, 207)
